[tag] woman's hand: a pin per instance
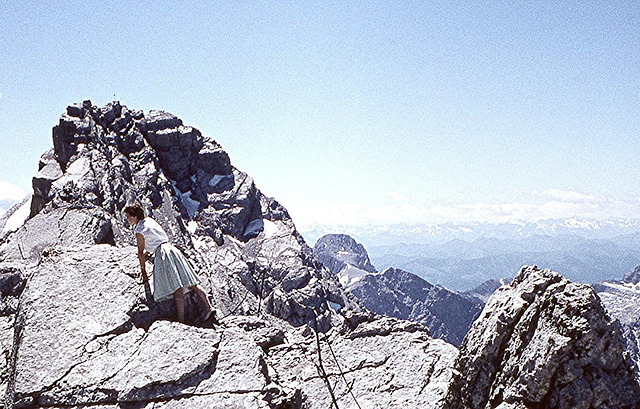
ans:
(142, 257)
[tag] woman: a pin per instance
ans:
(173, 275)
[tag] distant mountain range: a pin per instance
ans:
(463, 256)
(401, 294)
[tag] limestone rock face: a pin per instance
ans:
(543, 341)
(79, 330)
(381, 364)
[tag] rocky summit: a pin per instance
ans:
(543, 342)
(79, 330)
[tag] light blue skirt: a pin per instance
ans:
(171, 271)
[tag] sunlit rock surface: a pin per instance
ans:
(543, 342)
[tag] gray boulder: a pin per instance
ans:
(543, 341)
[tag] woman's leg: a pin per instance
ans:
(203, 296)
(178, 297)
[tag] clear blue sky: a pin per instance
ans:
(355, 112)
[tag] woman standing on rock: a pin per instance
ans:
(173, 275)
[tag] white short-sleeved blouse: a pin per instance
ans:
(154, 235)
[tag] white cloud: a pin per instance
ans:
(9, 191)
(571, 196)
(550, 204)
(398, 197)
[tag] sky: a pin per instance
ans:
(354, 112)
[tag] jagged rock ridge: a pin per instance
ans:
(543, 342)
(396, 293)
(82, 332)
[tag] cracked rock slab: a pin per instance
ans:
(73, 297)
(388, 369)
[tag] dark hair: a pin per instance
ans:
(135, 210)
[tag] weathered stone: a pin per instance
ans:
(398, 369)
(543, 341)
(60, 227)
(48, 173)
(76, 110)
(109, 113)
(212, 159)
(157, 120)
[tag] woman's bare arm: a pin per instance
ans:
(141, 257)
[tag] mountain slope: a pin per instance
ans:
(397, 293)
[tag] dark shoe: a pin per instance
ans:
(212, 314)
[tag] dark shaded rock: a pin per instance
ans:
(213, 160)
(157, 120)
(76, 110)
(543, 341)
(48, 172)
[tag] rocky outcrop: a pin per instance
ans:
(380, 364)
(104, 158)
(337, 251)
(79, 329)
(543, 341)
(397, 293)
